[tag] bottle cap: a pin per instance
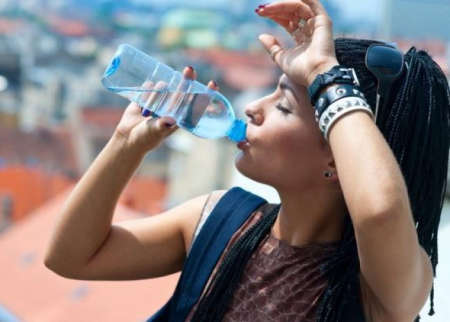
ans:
(237, 131)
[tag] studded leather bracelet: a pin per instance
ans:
(333, 94)
(339, 108)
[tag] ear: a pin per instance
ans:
(330, 165)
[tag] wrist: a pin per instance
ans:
(336, 75)
(122, 144)
(320, 69)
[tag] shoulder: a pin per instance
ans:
(235, 198)
(231, 206)
(235, 202)
(200, 209)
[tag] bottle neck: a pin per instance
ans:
(237, 131)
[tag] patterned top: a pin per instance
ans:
(280, 282)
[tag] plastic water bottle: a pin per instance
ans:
(159, 89)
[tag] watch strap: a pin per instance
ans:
(336, 75)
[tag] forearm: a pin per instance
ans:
(85, 221)
(368, 171)
(377, 199)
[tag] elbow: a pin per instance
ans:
(55, 267)
(384, 199)
(61, 268)
(380, 211)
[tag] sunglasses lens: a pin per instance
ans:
(384, 62)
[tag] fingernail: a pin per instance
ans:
(257, 10)
(145, 112)
(263, 5)
(214, 83)
(191, 68)
(169, 125)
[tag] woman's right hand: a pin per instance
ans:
(85, 244)
(144, 134)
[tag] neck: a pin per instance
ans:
(310, 217)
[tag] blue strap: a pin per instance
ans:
(230, 213)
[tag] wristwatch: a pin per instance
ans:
(336, 75)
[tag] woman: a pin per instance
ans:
(361, 193)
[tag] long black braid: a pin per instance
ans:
(416, 125)
(213, 306)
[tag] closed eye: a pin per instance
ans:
(283, 109)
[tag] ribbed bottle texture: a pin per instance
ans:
(156, 87)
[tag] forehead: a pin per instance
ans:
(298, 90)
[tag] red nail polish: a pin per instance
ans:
(263, 5)
(257, 10)
(214, 83)
(191, 68)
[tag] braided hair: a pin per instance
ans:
(416, 125)
(213, 306)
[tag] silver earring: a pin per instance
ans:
(328, 174)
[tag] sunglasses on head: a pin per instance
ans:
(386, 62)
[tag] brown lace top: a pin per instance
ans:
(280, 282)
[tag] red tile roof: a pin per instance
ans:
(10, 26)
(50, 148)
(145, 195)
(240, 70)
(30, 187)
(69, 27)
(33, 293)
(101, 116)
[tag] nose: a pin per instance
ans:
(254, 113)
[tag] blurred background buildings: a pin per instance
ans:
(55, 117)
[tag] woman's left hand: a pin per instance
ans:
(309, 24)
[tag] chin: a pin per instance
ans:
(251, 171)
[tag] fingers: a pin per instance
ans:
(273, 47)
(316, 7)
(144, 99)
(287, 9)
(293, 15)
(152, 97)
(133, 109)
(166, 124)
(283, 22)
(189, 72)
(213, 85)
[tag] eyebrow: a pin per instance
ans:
(285, 86)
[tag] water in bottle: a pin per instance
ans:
(159, 89)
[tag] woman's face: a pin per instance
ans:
(284, 146)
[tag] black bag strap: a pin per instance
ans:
(232, 210)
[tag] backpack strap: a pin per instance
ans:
(232, 210)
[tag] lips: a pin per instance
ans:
(243, 145)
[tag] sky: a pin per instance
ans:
(361, 8)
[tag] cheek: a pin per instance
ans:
(285, 149)
(299, 149)
(282, 158)
(293, 139)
